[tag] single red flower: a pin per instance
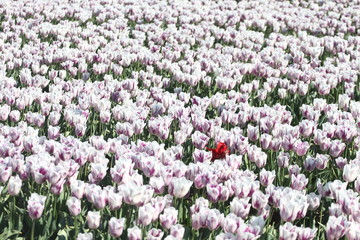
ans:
(219, 152)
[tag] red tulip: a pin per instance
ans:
(219, 152)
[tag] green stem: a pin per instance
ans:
(95, 233)
(76, 221)
(143, 232)
(12, 207)
(55, 210)
(181, 209)
(185, 213)
(246, 161)
(32, 229)
(321, 213)
(120, 212)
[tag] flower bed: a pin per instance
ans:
(179, 119)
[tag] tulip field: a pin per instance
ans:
(179, 119)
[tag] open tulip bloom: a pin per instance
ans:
(219, 152)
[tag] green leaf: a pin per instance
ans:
(48, 230)
(21, 210)
(7, 234)
(62, 235)
(20, 222)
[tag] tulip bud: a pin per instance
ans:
(85, 236)
(288, 210)
(357, 184)
(266, 177)
(93, 219)
(177, 231)
(80, 130)
(114, 200)
(199, 140)
(351, 172)
(282, 93)
(105, 116)
(134, 233)
(154, 234)
(145, 215)
(179, 187)
(321, 161)
(77, 189)
(98, 172)
(230, 223)
(240, 207)
(201, 156)
(36, 205)
(283, 160)
(335, 210)
(275, 144)
(265, 140)
(168, 218)
(294, 170)
(4, 112)
(5, 173)
(354, 231)
(306, 233)
(53, 132)
(301, 148)
(116, 227)
(299, 181)
(313, 200)
(14, 115)
(74, 206)
(253, 133)
(287, 232)
(54, 118)
(14, 185)
(336, 227)
(213, 219)
(259, 200)
(336, 148)
(99, 198)
(58, 187)
(180, 137)
(341, 162)
(306, 127)
(344, 101)
(195, 221)
(309, 163)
